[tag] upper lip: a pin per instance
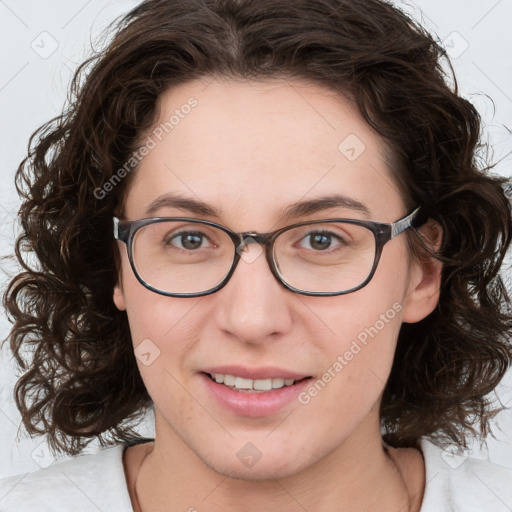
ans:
(267, 372)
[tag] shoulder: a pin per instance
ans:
(87, 482)
(461, 483)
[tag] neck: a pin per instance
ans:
(352, 477)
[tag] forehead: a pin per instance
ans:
(250, 148)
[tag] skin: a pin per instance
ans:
(251, 149)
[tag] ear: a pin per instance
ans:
(119, 296)
(424, 278)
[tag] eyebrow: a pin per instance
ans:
(298, 209)
(172, 200)
(324, 203)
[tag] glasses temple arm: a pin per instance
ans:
(401, 225)
(116, 228)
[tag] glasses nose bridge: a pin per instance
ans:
(252, 237)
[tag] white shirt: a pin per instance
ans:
(92, 483)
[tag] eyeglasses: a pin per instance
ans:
(186, 257)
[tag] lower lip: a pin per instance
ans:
(254, 404)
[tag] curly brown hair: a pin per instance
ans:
(80, 378)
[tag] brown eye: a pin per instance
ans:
(322, 240)
(187, 240)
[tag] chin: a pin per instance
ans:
(244, 461)
(260, 472)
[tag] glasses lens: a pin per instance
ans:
(325, 257)
(182, 256)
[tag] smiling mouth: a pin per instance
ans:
(252, 385)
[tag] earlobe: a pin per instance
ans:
(119, 297)
(423, 298)
(425, 279)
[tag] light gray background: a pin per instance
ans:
(41, 43)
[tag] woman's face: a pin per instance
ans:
(250, 150)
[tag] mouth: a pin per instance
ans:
(253, 391)
(245, 385)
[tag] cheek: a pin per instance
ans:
(363, 350)
(162, 329)
(358, 354)
(150, 314)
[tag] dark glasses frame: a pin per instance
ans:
(125, 231)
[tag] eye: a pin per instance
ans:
(186, 240)
(322, 240)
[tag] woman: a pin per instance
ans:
(264, 221)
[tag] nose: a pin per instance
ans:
(253, 306)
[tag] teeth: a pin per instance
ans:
(262, 384)
(229, 380)
(241, 383)
(250, 385)
(277, 383)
